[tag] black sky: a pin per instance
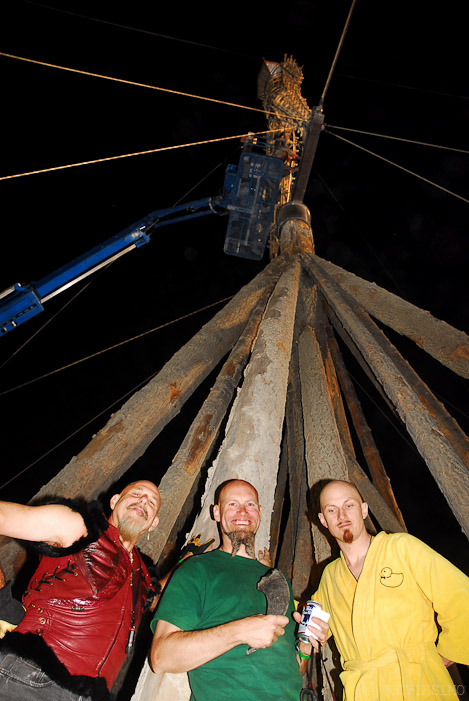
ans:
(401, 72)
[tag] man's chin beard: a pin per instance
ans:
(129, 529)
(239, 538)
(347, 536)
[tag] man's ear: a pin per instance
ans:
(364, 510)
(154, 524)
(323, 520)
(216, 513)
(114, 501)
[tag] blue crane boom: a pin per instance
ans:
(249, 196)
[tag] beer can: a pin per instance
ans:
(311, 609)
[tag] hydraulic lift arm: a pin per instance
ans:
(249, 196)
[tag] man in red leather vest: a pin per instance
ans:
(85, 599)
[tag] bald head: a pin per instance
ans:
(238, 512)
(235, 483)
(147, 486)
(343, 511)
(135, 510)
(331, 488)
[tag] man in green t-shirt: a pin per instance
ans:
(211, 612)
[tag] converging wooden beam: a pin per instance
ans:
(363, 431)
(251, 448)
(426, 419)
(176, 484)
(445, 343)
(132, 428)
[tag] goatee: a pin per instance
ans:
(348, 537)
(129, 529)
(239, 538)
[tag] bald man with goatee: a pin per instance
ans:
(383, 594)
(85, 599)
(212, 612)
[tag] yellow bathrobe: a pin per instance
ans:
(384, 623)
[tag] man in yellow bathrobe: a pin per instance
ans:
(383, 593)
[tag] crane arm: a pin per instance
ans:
(249, 194)
(19, 303)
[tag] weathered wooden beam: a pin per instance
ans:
(340, 416)
(294, 434)
(335, 394)
(303, 561)
(294, 225)
(337, 403)
(279, 502)
(251, 447)
(446, 423)
(177, 482)
(172, 548)
(378, 507)
(130, 430)
(302, 546)
(317, 319)
(426, 419)
(348, 341)
(445, 343)
(365, 436)
(287, 547)
(324, 454)
(294, 448)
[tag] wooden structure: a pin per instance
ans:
(283, 399)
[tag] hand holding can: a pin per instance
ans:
(312, 609)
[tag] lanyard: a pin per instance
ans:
(131, 638)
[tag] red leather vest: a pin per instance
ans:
(82, 605)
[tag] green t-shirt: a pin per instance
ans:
(214, 588)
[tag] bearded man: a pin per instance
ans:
(399, 611)
(211, 612)
(85, 599)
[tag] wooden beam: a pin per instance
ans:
(315, 305)
(324, 454)
(301, 550)
(172, 548)
(365, 436)
(438, 438)
(445, 343)
(177, 482)
(340, 416)
(130, 430)
(337, 403)
(378, 507)
(251, 447)
(303, 561)
(287, 547)
(348, 341)
(279, 501)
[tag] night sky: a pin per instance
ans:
(401, 73)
